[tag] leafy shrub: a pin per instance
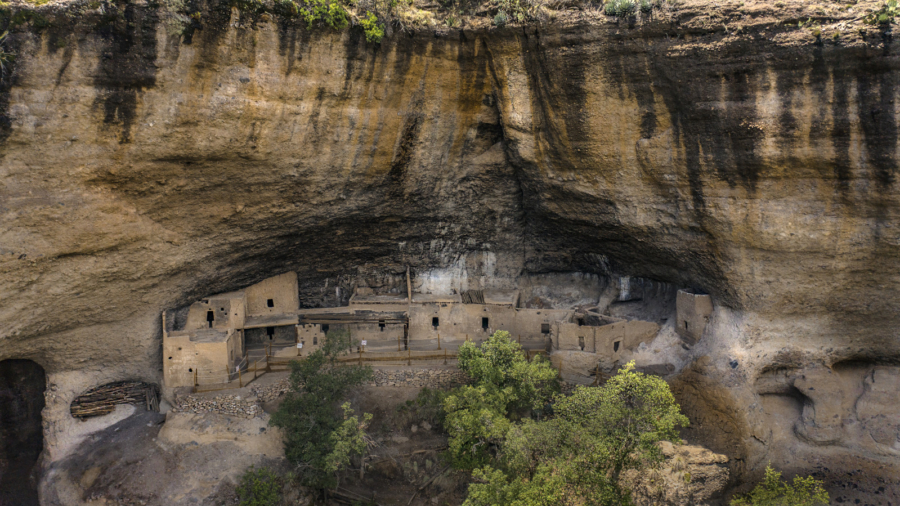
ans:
(578, 455)
(506, 386)
(317, 439)
(773, 491)
(620, 8)
(374, 30)
(885, 15)
(330, 12)
(501, 18)
(259, 487)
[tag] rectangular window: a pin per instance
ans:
(381, 325)
(484, 324)
(270, 303)
(545, 328)
(435, 322)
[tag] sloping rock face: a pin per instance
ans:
(142, 170)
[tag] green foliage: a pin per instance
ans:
(318, 440)
(885, 15)
(773, 491)
(259, 487)
(505, 386)
(6, 57)
(578, 455)
(374, 30)
(330, 12)
(624, 8)
(501, 18)
(620, 8)
(348, 439)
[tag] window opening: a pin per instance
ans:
(315, 340)
(270, 303)
(210, 318)
(581, 342)
(616, 346)
(484, 323)
(435, 322)
(685, 326)
(545, 328)
(325, 328)
(581, 322)
(381, 325)
(270, 331)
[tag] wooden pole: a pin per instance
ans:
(408, 287)
(408, 357)
(445, 357)
(439, 342)
(398, 343)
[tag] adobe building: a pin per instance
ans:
(219, 330)
(211, 344)
(692, 314)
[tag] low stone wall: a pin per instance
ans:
(431, 378)
(225, 404)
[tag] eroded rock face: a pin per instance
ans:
(142, 171)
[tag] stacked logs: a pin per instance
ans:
(103, 399)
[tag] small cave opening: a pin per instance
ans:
(22, 385)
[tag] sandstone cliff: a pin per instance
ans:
(143, 169)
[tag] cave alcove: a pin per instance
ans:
(22, 385)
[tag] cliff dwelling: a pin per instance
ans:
(196, 197)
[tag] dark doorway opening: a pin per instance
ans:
(210, 318)
(484, 323)
(545, 328)
(22, 384)
(270, 303)
(616, 346)
(270, 331)
(381, 325)
(435, 322)
(325, 328)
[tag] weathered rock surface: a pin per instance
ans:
(141, 171)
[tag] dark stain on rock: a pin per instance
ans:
(875, 90)
(405, 148)
(127, 65)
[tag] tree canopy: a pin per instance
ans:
(321, 435)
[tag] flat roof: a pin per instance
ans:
(209, 336)
(270, 320)
(428, 298)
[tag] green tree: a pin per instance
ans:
(578, 456)
(317, 439)
(773, 491)
(259, 487)
(505, 387)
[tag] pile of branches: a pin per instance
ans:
(103, 399)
